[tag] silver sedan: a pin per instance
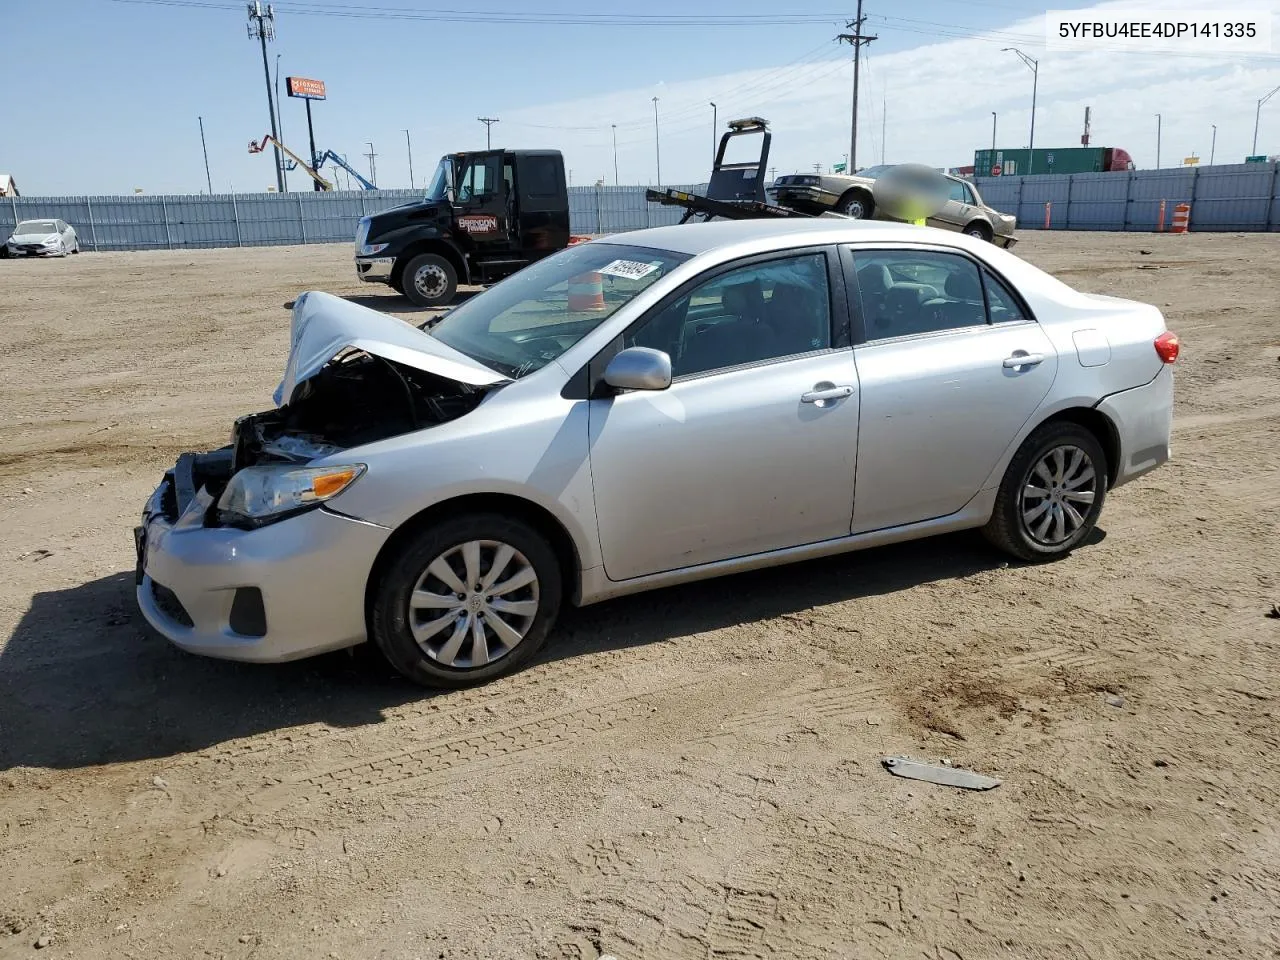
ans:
(643, 410)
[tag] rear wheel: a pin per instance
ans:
(978, 229)
(1051, 495)
(429, 280)
(856, 204)
(466, 601)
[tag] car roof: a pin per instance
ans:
(698, 238)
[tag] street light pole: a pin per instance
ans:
(1257, 116)
(1213, 144)
(615, 154)
(1159, 121)
(280, 121)
(993, 133)
(715, 128)
(657, 147)
(1034, 66)
(409, 145)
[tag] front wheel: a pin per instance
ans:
(978, 230)
(856, 204)
(1051, 495)
(467, 600)
(429, 280)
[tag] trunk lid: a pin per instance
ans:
(323, 326)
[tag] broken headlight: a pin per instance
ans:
(260, 495)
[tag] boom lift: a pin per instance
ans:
(328, 155)
(257, 146)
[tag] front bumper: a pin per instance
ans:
(805, 196)
(34, 250)
(309, 573)
(374, 269)
(1143, 417)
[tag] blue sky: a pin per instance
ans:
(110, 91)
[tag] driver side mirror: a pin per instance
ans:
(639, 368)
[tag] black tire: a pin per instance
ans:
(390, 623)
(1009, 528)
(978, 229)
(429, 280)
(859, 200)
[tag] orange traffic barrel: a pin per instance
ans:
(1181, 217)
(586, 292)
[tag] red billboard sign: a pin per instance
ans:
(307, 89)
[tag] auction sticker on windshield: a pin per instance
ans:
(630, 269)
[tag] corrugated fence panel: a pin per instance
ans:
(1229, 197)
(1233, 198)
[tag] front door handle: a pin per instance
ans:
(826, 393)
(1023, 360)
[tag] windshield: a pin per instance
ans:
(871, 173)
(439, 186)
(532, 317)
(35, 226)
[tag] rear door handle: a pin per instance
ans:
(827, 393)
(1023, 360)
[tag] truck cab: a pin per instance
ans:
(485, 215)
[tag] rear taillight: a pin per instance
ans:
(1167, 346)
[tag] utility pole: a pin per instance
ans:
(993, 135)
(488, 126)
(1158, 122)
(262, 28)
(1033, 65)
(657, 149)
(208, 179)
(373, 169)
(409, 145)
(773, 174)
(615, 154)
(1214, 144)
(1258, 116)
(858, 40)
(884, 107)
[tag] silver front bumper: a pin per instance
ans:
(374, 269)
(311, 571)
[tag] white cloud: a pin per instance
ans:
(939, 100)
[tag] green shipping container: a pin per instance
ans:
(1021, 163)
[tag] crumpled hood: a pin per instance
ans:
(32, 237)
(324, 326)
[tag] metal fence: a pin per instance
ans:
(1240, 197)
(263, 219)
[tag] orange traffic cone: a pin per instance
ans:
(586, 293)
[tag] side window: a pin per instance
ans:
(910, 292)
(762, 312)
(538, 176)
(969, 198)
(508, 174)
(1002, 304)
(958, 191)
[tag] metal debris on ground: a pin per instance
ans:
(1274, 612)
(947, 776)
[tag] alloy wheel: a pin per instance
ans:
(1058, 494)
(474, 604)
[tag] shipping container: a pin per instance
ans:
(1022, 163)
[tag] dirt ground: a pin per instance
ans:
(688, 774)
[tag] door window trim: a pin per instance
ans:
(858, 323)
(588, 382)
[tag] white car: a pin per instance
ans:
(42, 238)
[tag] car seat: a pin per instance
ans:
(799, 322)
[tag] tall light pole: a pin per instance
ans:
(409, 145)
(1159, 120)
(615, 154)
(280, 121)
(488, 127)
(657, 148)
(207, 178)
(1257, 115)
(715, 128)
(993, 134)
(262, 27)
(1034, 66)
(1214, 143)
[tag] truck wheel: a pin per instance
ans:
(429, 280)
(856, 204)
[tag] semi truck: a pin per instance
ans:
(1023, 163)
